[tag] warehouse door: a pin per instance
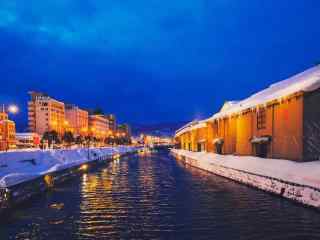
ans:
(262, 150)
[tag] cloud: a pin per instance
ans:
(162, 32)
(153, 51)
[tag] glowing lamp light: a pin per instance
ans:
(13, 109)
(48, 180)
(84, 167)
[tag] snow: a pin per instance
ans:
(20, 166)
(227, 105)
(299, 182)
(217, 141)
(305, 173)
(306, 81)
(260, 139)
(191, 126)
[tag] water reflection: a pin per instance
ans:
(156, 197)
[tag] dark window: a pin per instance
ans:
(215, 128)
(261, 118)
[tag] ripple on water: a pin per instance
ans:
(156, 197)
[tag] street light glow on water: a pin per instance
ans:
(156, 197)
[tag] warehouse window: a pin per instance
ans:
(215, 128)
(261, 118)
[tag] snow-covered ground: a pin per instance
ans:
(294, 180)
(20, 166)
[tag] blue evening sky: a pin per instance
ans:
(153, 60)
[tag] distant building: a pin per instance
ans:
(156, 140)
(98, 126)
(112, 122)
(28, 140)
(124, 130)
(282, 121)
(77, 120)
(7, 132)
(45, 114)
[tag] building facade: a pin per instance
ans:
(77, 120)
(7, 132)
(98, 126)
(124, 131)
(282, 121)
(28, 140)
(112, 122)
(46, 114)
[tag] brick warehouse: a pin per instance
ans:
(282, 121)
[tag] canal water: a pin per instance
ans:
(156, 197)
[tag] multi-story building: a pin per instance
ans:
(112, 122)
(77, 120)
(98, 126)
(7, 132)
(124, 131)
(45, 114)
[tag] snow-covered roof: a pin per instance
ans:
(306, 81)
(191, 126)
(227, 105)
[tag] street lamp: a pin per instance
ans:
(13, 109)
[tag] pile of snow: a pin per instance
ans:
(20, 166)
(303, 173)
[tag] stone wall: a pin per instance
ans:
(306, 195)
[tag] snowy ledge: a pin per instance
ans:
(293, 180)
(20, 166)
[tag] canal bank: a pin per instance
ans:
(24, 174)
(299, 182)
(153, 196)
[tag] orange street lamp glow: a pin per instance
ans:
(84, 167)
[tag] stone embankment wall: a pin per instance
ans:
(304, 194)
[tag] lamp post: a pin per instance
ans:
(13, 109)
(88, 144)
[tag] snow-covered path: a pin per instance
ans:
(20, 166)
